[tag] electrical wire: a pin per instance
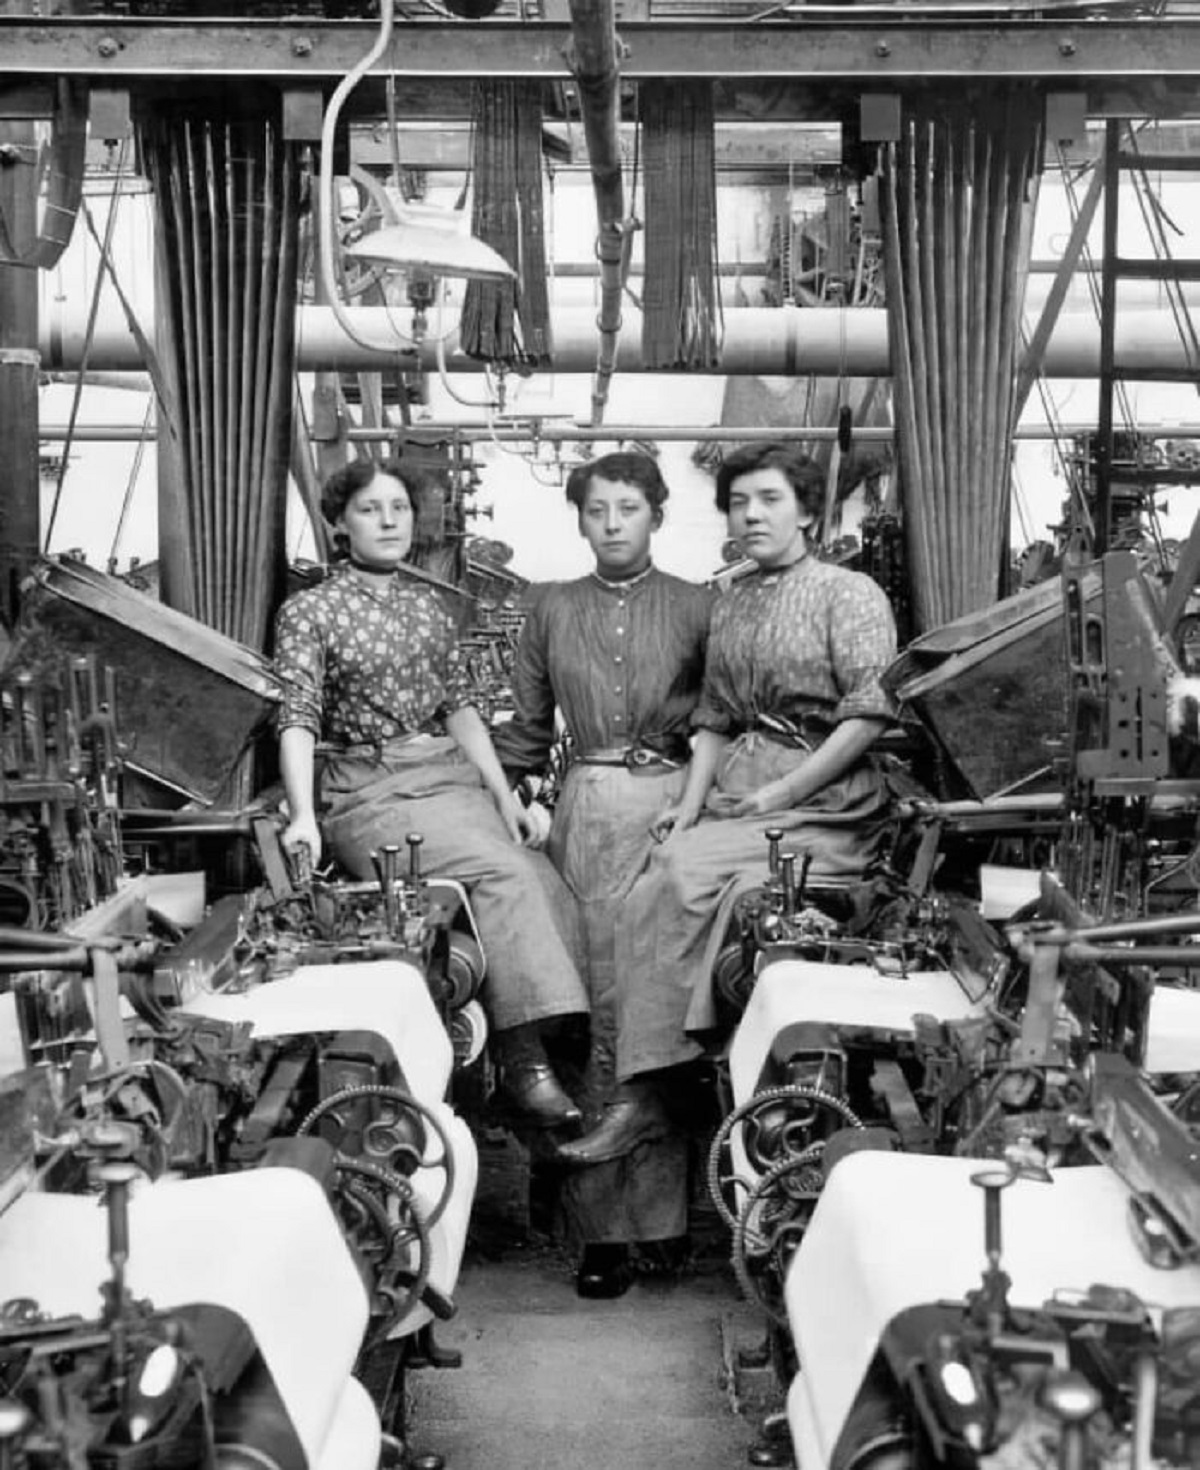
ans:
(1153, 215)
(131, 484)
(1092, 276)
(325, 237)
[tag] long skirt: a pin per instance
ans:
(600, 842)
(523, 911)
(675, 916)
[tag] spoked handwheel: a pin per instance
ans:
(777, 1124)
(397, 1138)
(771, 1225)
(380, 1218)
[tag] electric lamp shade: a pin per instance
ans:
(431, 240)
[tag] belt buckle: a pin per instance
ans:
(638, 756)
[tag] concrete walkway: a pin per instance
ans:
(550, 1382)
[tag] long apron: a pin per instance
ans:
(523, 910)
(600, 842)
(675, 916)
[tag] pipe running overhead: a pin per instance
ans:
(770, 341)
(598, 77)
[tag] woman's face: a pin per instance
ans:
(378, 522)
(766, 518)
(617, 521)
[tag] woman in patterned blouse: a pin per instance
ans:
(369, 664)
(620, 654)
(792, 702)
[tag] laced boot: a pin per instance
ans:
(527, 1083)
(634, 1115)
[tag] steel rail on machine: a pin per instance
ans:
(1074, 44)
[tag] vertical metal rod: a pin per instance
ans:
(921, 490)
(907, 456)
(202, 486)
(958, 298)
(1110, 266)
(254, 247)
(927, 247)
(234, 150)
(216, 379)
(270, 558)
(1025, 133)
(19, 362)
(980, 228)
(265, 316)
(787, 872)
(985, 556)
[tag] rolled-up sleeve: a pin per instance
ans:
(300, 667)
(863, 644)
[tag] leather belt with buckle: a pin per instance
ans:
(632, 757)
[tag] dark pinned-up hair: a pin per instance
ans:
(624, 468)
(804, 475)
(356, 476)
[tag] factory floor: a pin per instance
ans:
(647, 1381)
(657, 1379)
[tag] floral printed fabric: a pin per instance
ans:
(363, 661)
(811, 640)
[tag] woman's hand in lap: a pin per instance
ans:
(522, 828)
(537, 823)
(773, 797)
(673, 820)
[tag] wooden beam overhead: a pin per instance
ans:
(868, 51)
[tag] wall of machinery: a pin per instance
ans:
(258, 1099)
(958, 1153)
(974, 1045)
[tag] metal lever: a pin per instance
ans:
(391, 862)
(787, 871)
(117, 1177)
(774, 838)
(1072, 1399)
(993, 1297)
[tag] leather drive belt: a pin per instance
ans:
(632, 757)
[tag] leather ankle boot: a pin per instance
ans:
(527, 1082)
(604, 1271)
(635, 1115)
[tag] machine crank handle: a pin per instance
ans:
(442, 1307)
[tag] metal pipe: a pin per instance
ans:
(598, 75)
(759, 341)
(529, 431)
